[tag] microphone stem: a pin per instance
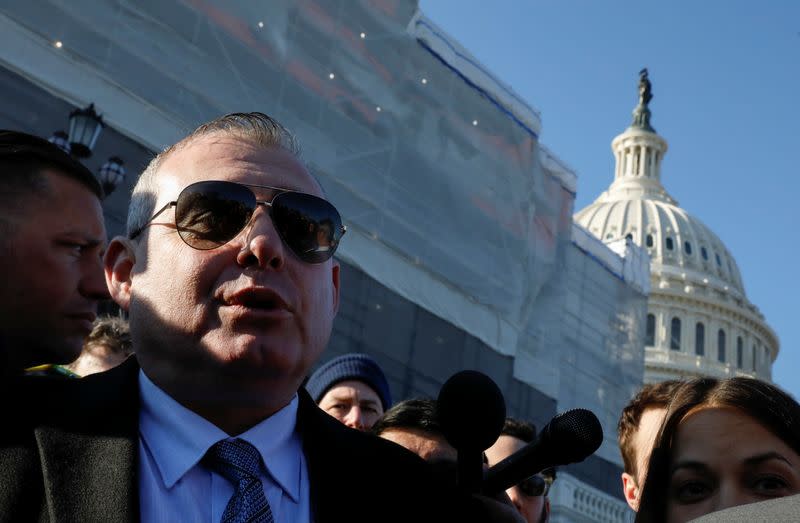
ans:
(470, 471)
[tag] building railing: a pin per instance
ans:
(693, 364)
(573, 501)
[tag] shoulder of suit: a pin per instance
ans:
(95, 400)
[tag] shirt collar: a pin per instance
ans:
(179, 438)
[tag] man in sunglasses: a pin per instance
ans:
(52, 237)
(530, 495)
(228, 279)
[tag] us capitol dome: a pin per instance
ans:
(699, 320)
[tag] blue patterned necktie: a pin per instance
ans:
(239, 462)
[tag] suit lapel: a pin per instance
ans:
(88, 477)
(323, 447)
(90, 456)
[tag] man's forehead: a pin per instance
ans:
(169, 185)
(75, 201)
(649, 425)
(350, 388)
(505, 446)
(421, 442)
(651, 418)
(223, 157)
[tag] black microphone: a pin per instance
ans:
(570, 437)
(471, 410)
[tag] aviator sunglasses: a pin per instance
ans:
(209, 214)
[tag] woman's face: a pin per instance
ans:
(722, 458)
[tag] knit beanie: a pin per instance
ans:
(353, 366)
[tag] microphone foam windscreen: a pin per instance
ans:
(472, 410)
(577, 432)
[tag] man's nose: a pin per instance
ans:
(93, 281)
(262, 246)
(355, 418)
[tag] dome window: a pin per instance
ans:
(670, 245)
(704, 253)
(687, 247)
(700, 339)
(650, 334)
(739, 352)
(719, 261)
(675, 334)
(649, 240)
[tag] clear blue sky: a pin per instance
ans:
(726, 83)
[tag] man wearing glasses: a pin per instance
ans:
(530, 495)
(231, 292)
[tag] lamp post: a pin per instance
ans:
(85, 126)
(84, 129)
(61, 140)
(111, 174)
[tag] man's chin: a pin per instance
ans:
(65, 351)
(259, 353)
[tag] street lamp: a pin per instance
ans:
(61, 140)
(111, 174)
(84, 129)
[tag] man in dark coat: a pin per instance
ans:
(231, 293)
(80, 464)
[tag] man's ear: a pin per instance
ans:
(118, 265)
(335, 271)
(631, 491)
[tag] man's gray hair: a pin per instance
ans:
(256, 128)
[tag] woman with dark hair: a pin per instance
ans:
(723, 443)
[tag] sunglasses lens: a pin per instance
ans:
(309, 225)
(210, 214)
(532, 486)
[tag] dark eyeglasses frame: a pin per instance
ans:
(174, 203)
(546, 489)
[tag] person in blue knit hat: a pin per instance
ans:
(352, 388)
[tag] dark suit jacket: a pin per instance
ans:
(71, 454)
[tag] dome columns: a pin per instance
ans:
(638, 154)
(748, 349)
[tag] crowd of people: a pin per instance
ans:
(201, 405)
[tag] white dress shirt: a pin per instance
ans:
(174, 487)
